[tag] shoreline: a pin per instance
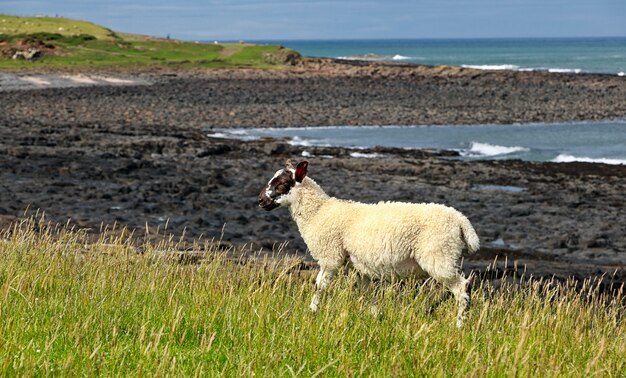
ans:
(322, 92)
(138, 154)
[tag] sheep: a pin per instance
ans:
(383, 240)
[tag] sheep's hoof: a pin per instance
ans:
(314, 307)
(375, 311)
(459, 322)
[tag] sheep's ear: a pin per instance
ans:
(301, 170)
(288, 165)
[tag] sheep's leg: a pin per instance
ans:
(459, 287)
(365, 283)
(324, 277)
(451, 278)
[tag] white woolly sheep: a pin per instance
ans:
(380, 240)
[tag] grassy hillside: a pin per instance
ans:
(27, 25)
(66, 42)
(74, 306)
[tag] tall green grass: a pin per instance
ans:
(125, 305)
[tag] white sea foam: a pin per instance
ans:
(365, 155)
(621, 74)
(297, 141)
(220, 136)
(375, 57)
(234, 134)
(492, 66)
(565, 158)
(565, 70)
(307, 154)
(499, 67)
(486, 149)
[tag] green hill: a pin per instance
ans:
(12, 25)
(63, 42)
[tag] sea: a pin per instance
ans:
(575, 55)
(593, 141)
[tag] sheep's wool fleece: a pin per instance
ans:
(384, 239)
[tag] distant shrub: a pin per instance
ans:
(113, 34)
(41, 37)
(56, 37)
(78, 39)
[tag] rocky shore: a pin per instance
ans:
(137, 153)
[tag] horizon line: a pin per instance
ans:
(413, 38)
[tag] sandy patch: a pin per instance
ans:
(35, 80)
(11, 81)
(81, 79)
(114, 80)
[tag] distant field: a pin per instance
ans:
(66, 42)
(73, 306)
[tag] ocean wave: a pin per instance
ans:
(621, 74)
(513, 67)
(486, 149)
(565, 70)
(365, 155)
(300, 142)
(220, 136)
(233, 134)
(565, 158)
(371, 57)
(368, 57)
(297, 141)
(492, 66)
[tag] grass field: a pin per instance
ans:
(72, 305)
(72, 43)
(12, 25)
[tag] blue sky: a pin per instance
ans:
(326, 19)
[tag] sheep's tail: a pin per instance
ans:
(469, 235)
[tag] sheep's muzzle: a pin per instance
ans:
(267, 203)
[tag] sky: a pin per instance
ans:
(340, 19)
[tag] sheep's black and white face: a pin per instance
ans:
(278, 188)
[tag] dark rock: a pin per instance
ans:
(521, 210)
(139, 153)
(217, 149)
(568, 240)
(31, 54)
(275, 148)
